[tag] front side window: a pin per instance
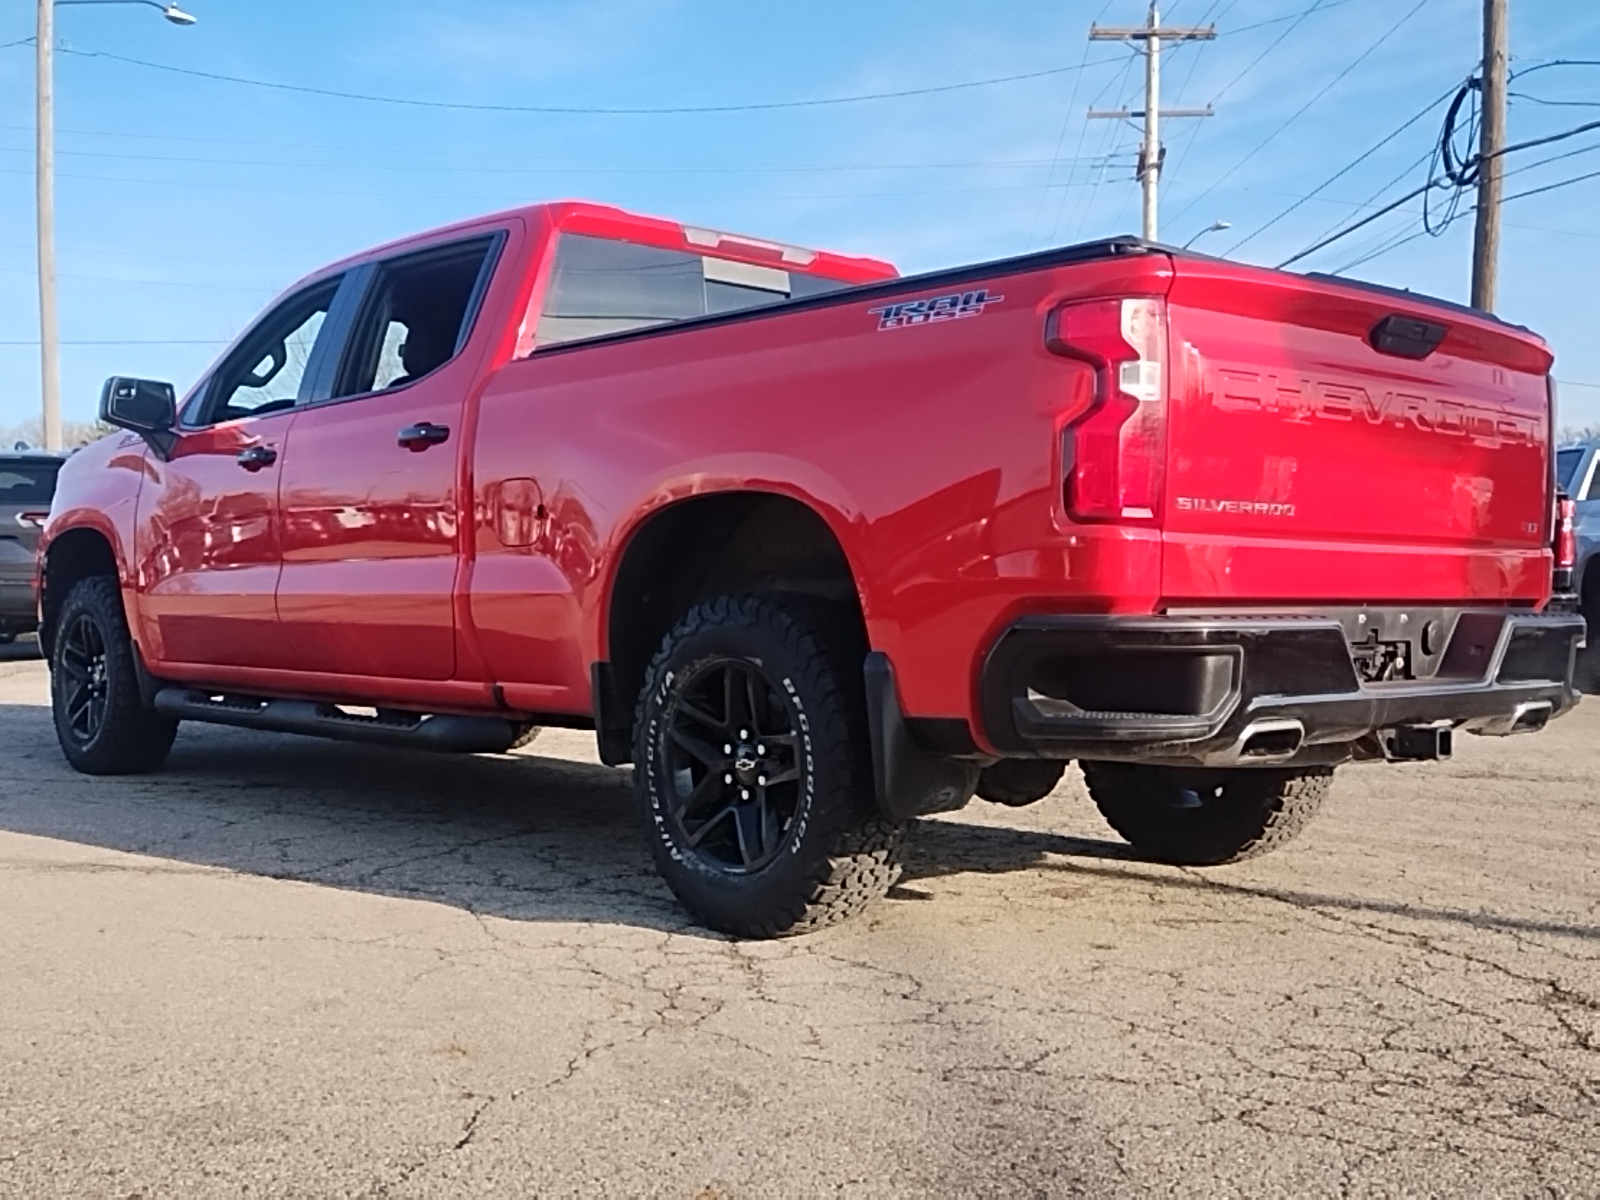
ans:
(267, 372)
(599, 286)
(417, 315)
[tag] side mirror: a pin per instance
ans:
(143, 406)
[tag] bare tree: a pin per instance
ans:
(31, 433)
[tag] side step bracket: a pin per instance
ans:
(419, 731)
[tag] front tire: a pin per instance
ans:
(101, 721)
(753, 769)
(1205, 817)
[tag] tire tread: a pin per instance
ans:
(1274, 808)
(135, 739)
(864, 856)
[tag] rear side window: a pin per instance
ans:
(417, 315)
(27, 483)
(599, 286)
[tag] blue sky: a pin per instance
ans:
(184, 204)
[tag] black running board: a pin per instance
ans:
(418, 731)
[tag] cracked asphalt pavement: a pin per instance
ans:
(289, 967)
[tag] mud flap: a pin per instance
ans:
(909, 781)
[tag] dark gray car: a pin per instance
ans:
(27, 483)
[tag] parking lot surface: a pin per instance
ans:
(289, 967)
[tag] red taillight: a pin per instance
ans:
(1566, 535)
(1114, 455)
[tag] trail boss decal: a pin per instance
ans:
(935, 308)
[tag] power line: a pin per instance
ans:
(1124, 88)
(1395, 245)
(1097, 180)
(1342, 172)
(1297, 19)
(1575, 131)
(1555, 103)
(515, 201)
(183, 283)
(1550, 187)
(1556, 62)
(1061, 139)
(1457, 174)
(127, 342)
(1361, 224)
(704, 169)
(549, 110)
(1194, 65)
(1299, 112)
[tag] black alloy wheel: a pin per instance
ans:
(733, 758)
(85, 678)
(102, 723)
(753, 767)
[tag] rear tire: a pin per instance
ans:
(1205, 817)
(753, 768)
(526, 734)
(100, 718)
(1018, 782)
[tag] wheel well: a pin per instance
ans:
(76, 555)
(704, 547)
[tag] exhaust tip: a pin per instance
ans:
(1270, 740)
(1528, 717)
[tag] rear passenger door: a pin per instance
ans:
(370, 487)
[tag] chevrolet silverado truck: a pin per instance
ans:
(819, 549)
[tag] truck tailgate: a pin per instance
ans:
(1321, 450)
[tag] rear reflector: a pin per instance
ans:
(1114, 455)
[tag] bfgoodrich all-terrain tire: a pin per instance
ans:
(753, 769)
(101, 721)
(1205, 817)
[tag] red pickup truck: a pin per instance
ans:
(820, 549)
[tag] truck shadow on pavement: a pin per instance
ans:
(520, 837)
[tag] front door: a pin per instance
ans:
(370, 489)
(208, 539)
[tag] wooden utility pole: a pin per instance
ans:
(1150, 154)
(1491, 166)
(45, 186)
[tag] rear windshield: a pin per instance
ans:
(28, 482)
(1567, 465)
(601, 286)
